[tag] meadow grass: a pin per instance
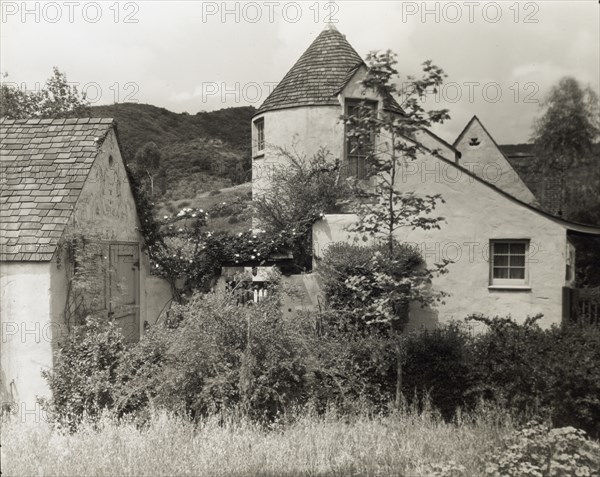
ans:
(401, 444)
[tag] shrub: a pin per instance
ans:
(510, 364)
(214, 192)
(539, 451)
(437, 365)
(554, 373)
(83, 380)
(351, 366)
(575, 370)
(371, 279)
(217, 355)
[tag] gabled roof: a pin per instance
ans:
(322, 71)
(44, 164)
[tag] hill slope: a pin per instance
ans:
(200, 152)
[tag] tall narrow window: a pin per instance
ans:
(358, 146)
(259, 127)
(508, 260)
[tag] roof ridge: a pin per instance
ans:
(57, 121)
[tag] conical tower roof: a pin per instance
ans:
(320, 73)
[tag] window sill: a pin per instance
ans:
(258, 155)
(510, 287)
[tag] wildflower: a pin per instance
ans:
(252, 257)
(166, 216)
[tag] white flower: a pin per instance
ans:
(166, 216)
(237, 254)
(193, 215)
(252, 257)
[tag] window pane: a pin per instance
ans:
(501, 248)
(517, 248)
(517, 273)
(517, 260)
(501, 260)
(500, 272)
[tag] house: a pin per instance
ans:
(509, 256)
(63, 180)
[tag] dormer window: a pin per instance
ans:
(358, 147)
(259, 132)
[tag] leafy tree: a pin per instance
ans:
(566, 132)
(148, 158)
(300, 191)
(57, 99)
(389, 140)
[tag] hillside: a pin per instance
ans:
(201, 152)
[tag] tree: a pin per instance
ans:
(57, 99)
(565, 133)
(388, 141)
(148, 158)
(300, 192)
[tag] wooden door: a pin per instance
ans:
(124, 288)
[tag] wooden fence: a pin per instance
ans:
(582, 305)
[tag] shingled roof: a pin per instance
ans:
(319, 75)
(44, 164)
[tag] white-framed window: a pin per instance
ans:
(259, 131)
(508, 262)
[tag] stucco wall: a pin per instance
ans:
(106, 210)
(487, 161)
(27, 329)
(474, 213)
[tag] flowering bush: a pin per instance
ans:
(538, 451)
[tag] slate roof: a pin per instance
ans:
(44, 164)
(319, 75)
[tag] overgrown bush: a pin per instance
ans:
(216, 355)
(437, 365)
(352, 366)
(84, 380)
(552, 372)
(371, 279)
(539, 451)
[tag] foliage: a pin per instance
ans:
(376, 282)
(57, 99)
(384, 208)
(554, 372)
(300, 191)
(564, 138)
(216, 355)
(539, 451)
(84, 379)
(566, 131)
(200, 152)
(352, 366)
(437, 366)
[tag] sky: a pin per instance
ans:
(501, 57)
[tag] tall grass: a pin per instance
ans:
(402, 444)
